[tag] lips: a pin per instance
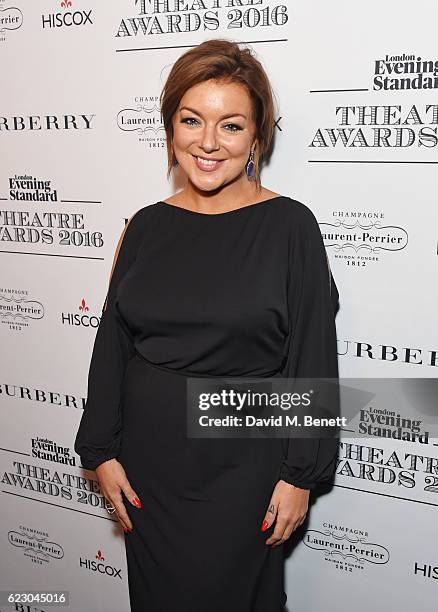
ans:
(207, 164)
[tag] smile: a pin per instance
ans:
(208, 165)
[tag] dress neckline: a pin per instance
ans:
(226, 212)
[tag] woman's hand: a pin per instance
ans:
(289, 506)
(112, 479)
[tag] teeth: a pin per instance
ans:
(206, 162)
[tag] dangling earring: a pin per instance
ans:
(175, 161)
(250, 166)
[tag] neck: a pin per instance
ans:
(235, 194)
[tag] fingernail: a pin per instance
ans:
(136, 502)
(125, 529)
(265, 525)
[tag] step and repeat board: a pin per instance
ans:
(83, 148)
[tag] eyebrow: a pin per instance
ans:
(192, 110)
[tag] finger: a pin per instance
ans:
(122, 515)
(279, 530)
(130, 494)
(270, 515)
(112, 501)
(286, 535)
(302, 520)
(291, 527)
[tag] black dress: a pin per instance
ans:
(246, 292)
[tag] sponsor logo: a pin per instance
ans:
(11, 19)
(35, 545)
(359, 238)
(69, 17)
(82, 318)
(99, 566)
(405, 72)
(345, 548)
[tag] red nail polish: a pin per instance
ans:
(125, 530)
(136, 502)
(265, 525)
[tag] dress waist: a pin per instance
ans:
(188, 373)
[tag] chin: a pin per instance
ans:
(207, 184)
(208, 188)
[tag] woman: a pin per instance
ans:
(224, 278)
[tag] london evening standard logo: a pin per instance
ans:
(387, 126)
(396, 420)
(348, 549)
(405, 72)
(11, 19)
(157, 17)
(35, 545)
(395, 409)
(44, 226)
(68, 16)
(143, 118)
(385, 423)
(361, 237)
(27, 188)
(49, 450)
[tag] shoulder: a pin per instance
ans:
(303, 226)
(135, 227)
(300, 215)
(298, 209)
(132, 234)
(139, 218)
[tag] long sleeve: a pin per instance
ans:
(312, 352)
(99, 435)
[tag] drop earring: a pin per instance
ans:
(250, 166)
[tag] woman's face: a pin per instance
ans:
(214, 121)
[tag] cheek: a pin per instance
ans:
(181, 138)
(237, 146)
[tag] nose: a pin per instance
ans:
(208, 139)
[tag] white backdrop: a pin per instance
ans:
(82, 148)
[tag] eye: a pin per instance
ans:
(187, 119)
(236, 128)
